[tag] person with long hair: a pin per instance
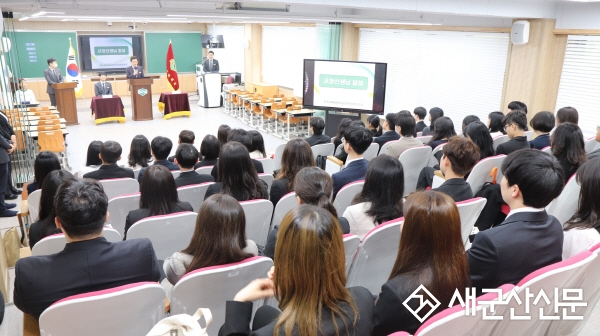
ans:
(219, 238)
(568, 148)
(542, 124)
(257, 150)
(209, 150)
(344, 123)
(381, 197)
(222, 134)
(44, 163)
(479, 134)
(140, 153)
(431, 254)
(158, 196)
(443, 131)
(567, 114)
(92, 161)
(45, 225)
(434, 114)
(374, 125)
(243, 137)
(236, 175)
(582, 230)
(495, 124)
(309, 281)
(467, 120)
(297, 154)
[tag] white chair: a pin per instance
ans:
(136, 173)
(344, 197)
(120, 186)
(333, 165)
(268, 165)
(258, 219)
(194, 194)
(33, 203)
(351, 243)
(338, 150)
(529, 135)
(437, 182)
(591, 145)
(168, 233)
(125, 310)
(424, 139)
(371, 152)
(469, 211)
(285, 204)
(482, 171)
(56, 242)
(385, 146)
(205, 170)
(375, 257)
(278, 155)
(211, 287)
(413, 161)
(268, 179)
(433, 159)
(499, 140)
(564, 206)
(175, 173)
(118, 209)
(547, 149)
(323, 150)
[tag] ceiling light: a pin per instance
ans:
(24, 18)
(44, 13)
(211, 16)
(66, 20)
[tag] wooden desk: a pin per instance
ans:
(296, 114)
(265, 89)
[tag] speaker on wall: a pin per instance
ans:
(519, 33)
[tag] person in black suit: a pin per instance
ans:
(356, 141)
(110, 153)
(389, 130)
(309, 266)
(102, 87)
(158, 196)
(542, 124)
(210, 64)
(6, 148)
(134, 71)
(245, 139)
(161, 147)
(528, 239)
(186, 157)
(317, 125)
(514, 123)
(209, 151)
(185, 137)
(53, 76)
(459, 156)
(11, 192)
(420, 113)
(296, 155)
(88, 262)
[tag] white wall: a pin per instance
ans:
(575, 15)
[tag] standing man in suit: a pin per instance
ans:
(53, 76)
(529, 238)
(11, 193)
(88, 262)
(102, 87)
(110, 153)
(356, 140)
(389, 130)
(186, 157)
(210, 64)
(6, 148)
(134, 71)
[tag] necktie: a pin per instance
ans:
(211, 65)
(104, 87)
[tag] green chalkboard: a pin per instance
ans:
(186, 47)
(34, 48)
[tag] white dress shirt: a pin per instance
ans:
(523, 209)
(24, 96)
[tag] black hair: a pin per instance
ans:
(81, 207)
(100, 74)
(375, 121)
(496, 122)
(444, 129)
(158, 178)
(237, 173)
(421, 112)
(543, 122)
(187, 137)
(479, 134)
(161, 147)
(516, 117)
(93, 150)
(467, 120)
(567, 114)
(139, 152)
(110, 151)
(407, 124)
(435, 113)
(357, 123)
(359, 138)
(186, 155)
(258, 143)
(391, 120)
(567, 142)
(241, 136)
(46, 211)
(517, 105)
(344, 123)
(318, 125)
(209, 148)
(211, 52)
(538, 175)
(133, 58)
(51, 60)
(587, 215)
(223, 133)
(45, 162)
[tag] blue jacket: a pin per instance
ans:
(354, 171)
(541, 142)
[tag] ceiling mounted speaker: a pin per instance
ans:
(519, 34)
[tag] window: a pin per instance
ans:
(231, 58)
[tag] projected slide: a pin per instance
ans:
(110, 52)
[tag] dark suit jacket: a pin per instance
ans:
(82, 267)
(354, 171)
(110, 171)
(427, 131)
(205, 162)
(523, 243)
(435, 143)
(129, 72)
(420, 126)
(52, 79)
(206, 66)
(135, 216)
(191, 177)
(217, 188)
(100, 90)
(170, 165)
(239, 314)
(318, 139)
(457, 188)
(541, 142)
(386, 137)
(257, 165)
(5, 133)
(594, 154)
(278, 190)
(516, 143)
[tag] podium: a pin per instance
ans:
(65, 101)
(209, 89)
(141, 98)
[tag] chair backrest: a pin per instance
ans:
(285, 204)
(371, 152)
(499, 140)
(338, 149)
(323, 150)
(351, 243)
(125, 310)
(480, 174)
(48, 122)
(469, 211)
(194, 194)
(52, 141)
(50, 127)
(375, 257)
(385, 146)
(268, 165)
(258, 219)
(547, 149)
(33, 203)
(413, 161)
(346, 195)
(136, 173)
(591, 145)
(424, 139)
(119, 208)
(211, 287)
(56, 242)
(268, 179)
(564, 206)
(433, 159)
(175, 173)
(529, 135)
(168, 233)
(278, 155)
(120, 186)
(205, 170)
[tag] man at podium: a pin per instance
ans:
(134, 71)
(210, 64)
(53, 76)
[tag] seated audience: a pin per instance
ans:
(479, 134)
(161, 147)
(140, 153)
(154, 203)
(568, 148)
(405, 126)
(93, 160)
(309, 281)
(431, 253)
(44, 163)
(444, 130)
(296, 155)
(374, 125)
(596, 153)
(357, 123)
(495, 124)
(514, 125)
(381, 197)
(337, 139)
(467, 120)
(528, 239)
(110, 153)
(186, 157)
(420, 113)
(45, 225)
(241, 136)
(434, 114)
(542, 124)
(459, 156)
(517, 106)
(219, 238)
(389, 130)
(23, 95)
(88, 262)
(257, 150)
(356, 141)
(317, 125)
(582, 230)
(237, 175)
(185, 137)
(222, 134)
(567, 114)
(209, 150)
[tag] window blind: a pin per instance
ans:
(460, 72)
(231, 58)
(580, 81)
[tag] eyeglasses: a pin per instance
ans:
(506, 126)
